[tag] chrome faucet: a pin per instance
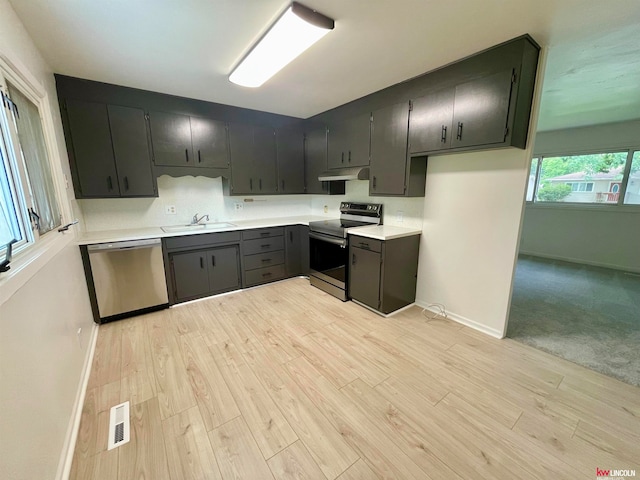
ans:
(195, 220)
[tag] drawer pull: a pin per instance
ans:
(268, 274)
(264, 234)
(264, 260)
(266, 245)
(364, 245)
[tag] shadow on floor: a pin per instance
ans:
(587, 315)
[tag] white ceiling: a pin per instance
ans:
(188, 47)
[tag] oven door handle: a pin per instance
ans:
(326, 238)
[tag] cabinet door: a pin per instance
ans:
(357, 146)
(315, 160)
(348, 143)
(364, 276)
(92, 149)
(131, 151)
(336, 146)
(389, 150)
(171, 139)
(481, 110)
(209, 139)
(264, 160)
(293, 250)
(241, 154)
(190, 274)
(430, 122)
(290, 151)
(224, 269)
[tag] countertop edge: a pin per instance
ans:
(108, 236)
(384, 232)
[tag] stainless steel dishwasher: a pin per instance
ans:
(127, 277)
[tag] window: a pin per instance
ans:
(596, 178)
(581, 186)
(532, 179)
(28, 200)
(632, 193)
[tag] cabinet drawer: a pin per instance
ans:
(366, 243)
(263, 233)
(264, 275)
(202, 239)
(251, 262)
(262, 245)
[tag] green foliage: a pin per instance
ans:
(589, 164)
(554, 192)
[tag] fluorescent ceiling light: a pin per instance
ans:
(295, 30)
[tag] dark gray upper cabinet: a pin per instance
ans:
(431, 117)
(315, 160)
(131, 151)
(471, 114)
(290, 154)
(241, 152)
(253, 160)
(171, 138)
(184, 141)
(209, 141)
(264, 159)
(109, 150)
(348, 142)
(389, 150)
(481, 110)
(93, 164)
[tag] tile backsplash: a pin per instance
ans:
(202, 195)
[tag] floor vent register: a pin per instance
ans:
(119, 425)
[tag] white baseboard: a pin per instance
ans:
(464, 321)
(66, 457)
(580, 261)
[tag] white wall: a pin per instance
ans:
(189, 195)
(41, 360)
(472, 213)
(604, 236)
(358, 191)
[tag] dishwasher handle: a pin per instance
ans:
(126, 245)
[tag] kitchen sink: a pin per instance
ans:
(197, 227)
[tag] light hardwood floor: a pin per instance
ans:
(286, 382)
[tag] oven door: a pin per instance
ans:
(328, 258)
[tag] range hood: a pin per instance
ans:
(351, 173)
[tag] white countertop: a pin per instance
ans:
(384, 232)
(107, 236)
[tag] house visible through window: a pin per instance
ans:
(28, 202)
(597, 178)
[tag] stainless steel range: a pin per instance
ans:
(329, 248)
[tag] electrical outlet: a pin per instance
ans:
(326, 209)
(239, 206)
(170, 209)
(399, 216)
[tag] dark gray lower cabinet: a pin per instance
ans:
(382, 274)
(201, 265)
(364, 276)
(205, 272)
(297, 250)
(263, 255)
